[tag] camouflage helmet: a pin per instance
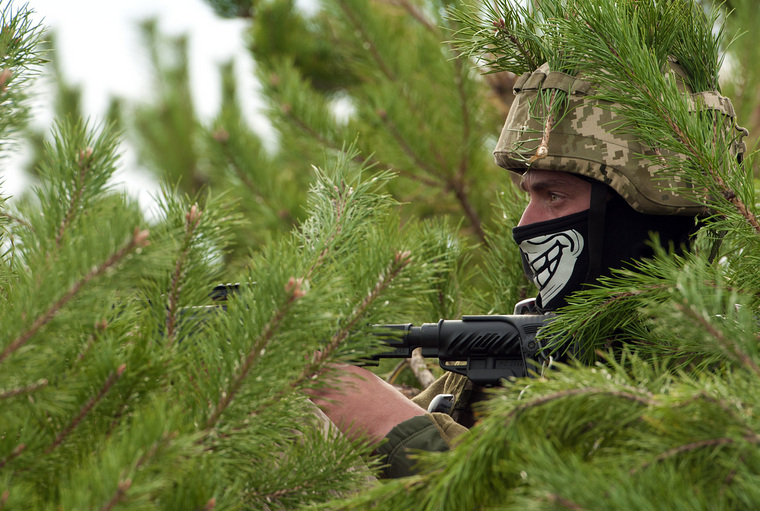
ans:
(583, 142)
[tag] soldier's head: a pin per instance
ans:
(596, 193)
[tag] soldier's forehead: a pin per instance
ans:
(534, 178)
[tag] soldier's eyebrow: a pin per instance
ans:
(539, 184)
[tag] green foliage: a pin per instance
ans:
(738, 80)
(119, 387)
(283, 33)
(610, 437)
(436, 138)
(21, 62)
(124, 385)
(232, 8)
(168, 131)
(236, 159)
(349, 79)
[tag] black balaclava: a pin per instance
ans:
(563, 254)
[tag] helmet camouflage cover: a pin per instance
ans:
(585, 143)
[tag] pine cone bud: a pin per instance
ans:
(403, 257)
(221, 135)
(140, 238)
(194, 215)
(293, 288)
(5, 77)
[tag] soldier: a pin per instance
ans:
(594, 204)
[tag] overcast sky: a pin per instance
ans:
(99, 44)
(99, 49)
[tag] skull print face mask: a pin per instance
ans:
(555, 257)
(562, 254)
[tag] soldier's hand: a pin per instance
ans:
(361, 404)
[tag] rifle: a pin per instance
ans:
(485, 349)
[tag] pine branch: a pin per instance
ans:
(192, 219)
(559, 500)
(287, 110)
(91, 340)
(543, 147)
(694, 149)
(455, 184)
(222, 137)
(694, 446)
(294, 293)
(416, 13)
(150, 453)
(15, 454)
(501, 29)
(703, 396)
(400, 261)
(119, 496)
(466, 117)
(5, 77)
(418, 364)
(317, 366)
(460, 193)
(17, 220)
(23, 390)
(274, 496)
(740, 206)
(139, 239)
(367, 41)
(123, 486)
(339, 206)
(405, 147)
(112, 378)
(504, 40)
(587, 391)
(83, 160)
(654, 104)
(730, 346)
(301, 124)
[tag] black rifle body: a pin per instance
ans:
(485, 349)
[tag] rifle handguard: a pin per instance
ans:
(491, 347)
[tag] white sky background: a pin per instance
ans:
(99, 49)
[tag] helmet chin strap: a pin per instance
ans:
(596, 218)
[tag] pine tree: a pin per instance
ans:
(347, 74)
(124, 385)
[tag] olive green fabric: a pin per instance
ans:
(430, 432)
(585, 141)
(449, 383)
(465, 395)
